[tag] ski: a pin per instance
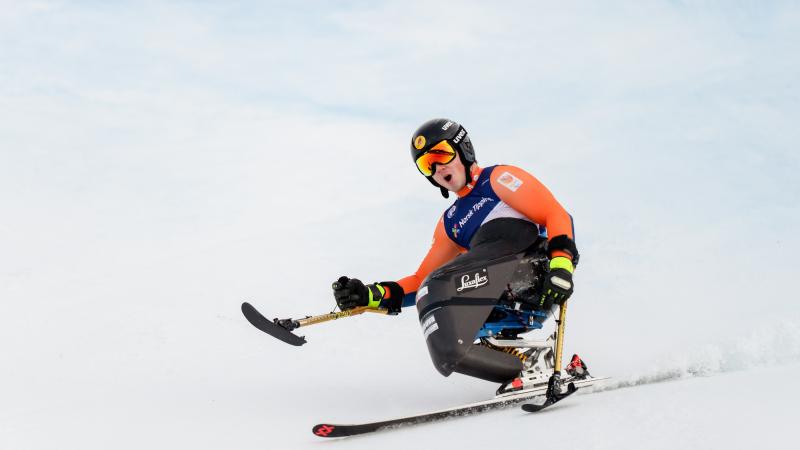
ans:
(272, 328)
(329, 430)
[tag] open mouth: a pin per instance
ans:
(448, 178)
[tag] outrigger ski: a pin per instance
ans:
(274, 328)
(575, 369)
(551, 399)
(282, 328)
(330, 430)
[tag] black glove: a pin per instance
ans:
(351, 293)
(558, 285)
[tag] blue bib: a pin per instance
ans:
(466, 215)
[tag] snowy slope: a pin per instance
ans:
(140, 375)
(259, 394)
(161, 162)
(730, 410)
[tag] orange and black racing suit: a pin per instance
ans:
(497, 192)
(504, 211)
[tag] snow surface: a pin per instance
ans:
(161, 162)
(727, 411)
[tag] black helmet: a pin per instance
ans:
(435, 131)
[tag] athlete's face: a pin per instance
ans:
(451, 175)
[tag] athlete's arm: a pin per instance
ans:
(442, 250)
(523, 192)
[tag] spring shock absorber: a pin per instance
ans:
(510, 350)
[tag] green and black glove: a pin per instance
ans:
(557, 283)
(351, 293)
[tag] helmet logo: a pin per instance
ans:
(447, 125)
(460, 135)
(419, 142)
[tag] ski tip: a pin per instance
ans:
(324, 430)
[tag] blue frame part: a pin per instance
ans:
(514, 319)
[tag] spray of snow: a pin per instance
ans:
(772, 345)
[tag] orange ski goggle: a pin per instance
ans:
(441, 153)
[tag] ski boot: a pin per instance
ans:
(538, 369)
(537, 366)
(577, 368)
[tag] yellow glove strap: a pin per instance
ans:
(562, 262)
(376, 302)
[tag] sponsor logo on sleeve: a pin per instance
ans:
(472, 281)
(510, 181)
(451, 211)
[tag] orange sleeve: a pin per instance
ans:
(442, 250)
(523, 192)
